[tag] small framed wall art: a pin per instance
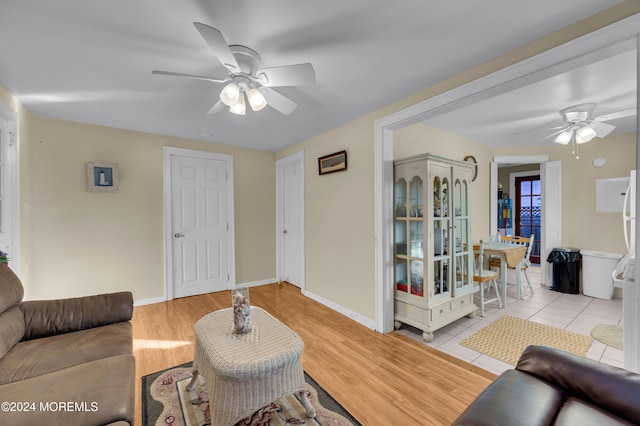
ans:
(102, 177)
(332, 163)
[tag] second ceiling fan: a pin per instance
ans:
(580, 128)
(247, 83)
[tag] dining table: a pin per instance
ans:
(511, 255)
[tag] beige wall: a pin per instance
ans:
(419, 139)
(505, 172)
(340, 218)
(87, 242)
(582, 226)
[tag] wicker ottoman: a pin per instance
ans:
(245, 372)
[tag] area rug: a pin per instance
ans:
(165, 401)
(507, 337)
(609, 334)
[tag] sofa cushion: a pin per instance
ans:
(33, 358)
(614, 389)
(578, 412)
(45, 318)
(11, 329)
(514, 398)
(96, 393)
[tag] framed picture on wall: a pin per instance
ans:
(102, 177)
(332, 163)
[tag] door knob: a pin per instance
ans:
(285, 231)
(178, 235)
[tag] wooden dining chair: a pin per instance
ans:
(494, 262)
(483, 277)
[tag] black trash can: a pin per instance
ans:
(567, 263)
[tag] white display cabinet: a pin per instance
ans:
(433, 252)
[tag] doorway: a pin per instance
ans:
(9, 193)
(585, 49)
(290, 211)
(199, 248)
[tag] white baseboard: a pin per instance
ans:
(367, 322)
(164, 299)
(149, 301)
(257, 283)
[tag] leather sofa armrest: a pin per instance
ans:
(514, 398)
(614, 389)
(45, 318)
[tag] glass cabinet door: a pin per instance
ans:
(400, 198)
(417, 277)
(415, 197)
(400, 235)
(463, 248)
(409, 236)
(441, 225)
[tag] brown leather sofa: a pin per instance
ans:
(552, 387)
(65, 362)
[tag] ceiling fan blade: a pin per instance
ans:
(540, 129)
(219, 45)
(279, 102)
(554, 133)
(288, 75)
(602, 129)
(219, 106)
(197, 77)
(615, 115)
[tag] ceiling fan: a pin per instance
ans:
(246, 81)
(580, 128)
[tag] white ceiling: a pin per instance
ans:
(527, 116)
(91, 61)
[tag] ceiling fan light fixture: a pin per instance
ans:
(564, 138)
(585, 134)
(240, 107)
(230, 95)
(256, 99)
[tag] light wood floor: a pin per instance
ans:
(380, 379)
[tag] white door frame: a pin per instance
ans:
(13, 187)
(597, 44)
(167, 153)
(297, 157)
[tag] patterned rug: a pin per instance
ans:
(506, 338)
(165, 401)
(609, 334)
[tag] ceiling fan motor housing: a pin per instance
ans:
(248, 59)
(577, 113)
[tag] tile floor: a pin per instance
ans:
(572, 312)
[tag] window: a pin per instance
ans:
(528, 211)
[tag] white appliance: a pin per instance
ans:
(624, 276)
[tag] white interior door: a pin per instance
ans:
(9, 213)
(199, 231)
(5, 230)
(551, 229)
(290, 183)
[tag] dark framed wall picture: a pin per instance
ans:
(102, 177)
(332, 163)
